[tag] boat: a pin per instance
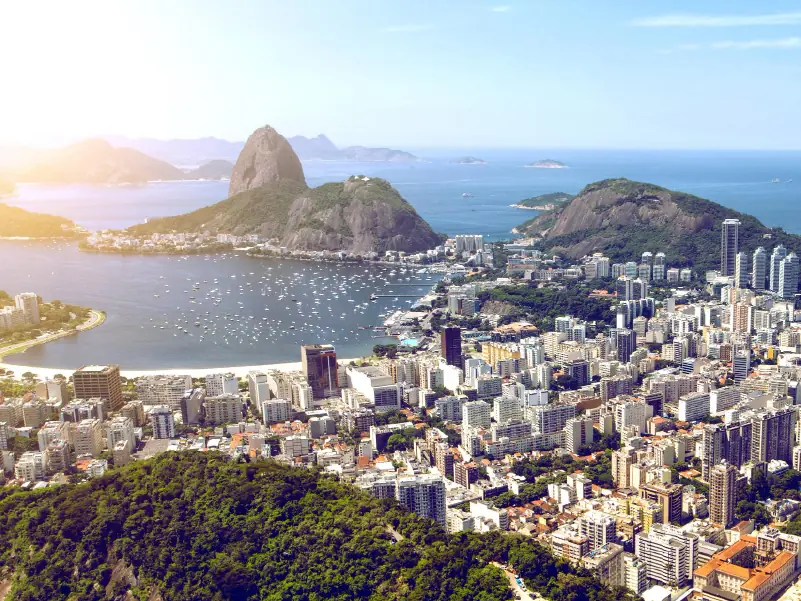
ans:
(775, 180)
(373, 297)
(467, 195)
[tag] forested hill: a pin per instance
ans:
(195, 526)
(624, 218)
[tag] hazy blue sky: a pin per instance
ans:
(566, 73)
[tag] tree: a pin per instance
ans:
(396, 442)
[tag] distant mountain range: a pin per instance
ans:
(117, 160)
(203, 150)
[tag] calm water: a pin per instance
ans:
(125, 286)
(740, 180)
(202, 311)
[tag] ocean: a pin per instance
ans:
(124, 286)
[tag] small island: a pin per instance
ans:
(19, 223)
(468, 160)
(547, 164)
(545, 202)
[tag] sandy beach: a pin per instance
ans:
(240, 371)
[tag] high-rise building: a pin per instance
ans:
(476, 414)
(258, 387)
(776, 258)
(223, 409)
(163, 422)
(788, 276)
(163, 390)
(722, 494)
(423, 494)
(320, 368)
(729, 240)
(99, 381)
(725, 442)
(741, 270)
(599, 528)
(669, 554)
(28, 303)
(451, 341)
(669, 496)
(88, 438)
(759, 269)
(217, 384)
(741, 364)
(660, 265)
(772, 435)
(626, 344)
(192, 411)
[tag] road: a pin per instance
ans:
(518, 592)
(95, 319)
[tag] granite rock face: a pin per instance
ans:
(266, 158)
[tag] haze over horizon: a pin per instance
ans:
(452, 75)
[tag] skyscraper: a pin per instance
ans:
(626, 344)
(722, 494)
(451, 339)
(741, 270)
(319, 363)
(729, 240)
(788, 276)
(776, 258)
(725, 442)
(759, 269)
(772, 435)
(99, 382)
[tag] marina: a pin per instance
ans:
(202, 310)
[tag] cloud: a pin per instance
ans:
(504, 8)
(788, 43)
(408, 28)
(748, 45)
(695, 20)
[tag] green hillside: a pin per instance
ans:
(19, 222)
(557, 199)
(624, 218)
(195, 526)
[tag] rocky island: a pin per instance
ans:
(269, 200)
(468, 160)
(624, 218)
(547, 164)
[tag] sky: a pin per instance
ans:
(406, 73)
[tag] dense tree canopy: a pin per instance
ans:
(195, 526)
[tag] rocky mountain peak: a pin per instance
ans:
(266, 158)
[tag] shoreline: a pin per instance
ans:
(96, 319)
(528, 208)
(240, 371)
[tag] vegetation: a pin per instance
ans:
(19, 222)
(542, 305)
(291, 212)
(689, 238)
(556, 199)
(196, 526)
(385, 350)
